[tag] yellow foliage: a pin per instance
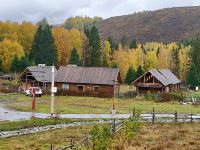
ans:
(107, 54)
(26, 33)
(151, 60)
(8, 50)
(65, 41)
(184, 61)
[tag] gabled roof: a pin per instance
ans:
(169, 75)
(87, 75)
(41, 73)
(165, 76)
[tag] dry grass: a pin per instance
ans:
(42, 141)
(167, 137)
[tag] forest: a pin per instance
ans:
(77, 41)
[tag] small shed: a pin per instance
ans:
(37, 76)
(157, 81)
(88, 81)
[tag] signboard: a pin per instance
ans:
(54, 89)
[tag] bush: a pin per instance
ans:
(102, 137)
(166, 97)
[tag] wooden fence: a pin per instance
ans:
(118, 125)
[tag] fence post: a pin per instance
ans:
(114, 125)
(133, 112)
(191, 118)
(71, 144)
(153, 116)
(51, 148)
(176, 116)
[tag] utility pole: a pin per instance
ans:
(113, 102)
(52, 91)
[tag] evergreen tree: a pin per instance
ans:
(133, 44)
(95, 45)
(15, 65)
(43, 48)
(74, 57)
(24, 63)
(139, 71)
(1, 65)
(192, 77)
(130, 76)
(195, 43)
(175, 61)
(113, 45)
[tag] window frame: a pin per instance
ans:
(80, 86)
(67, 89)
(94, 88)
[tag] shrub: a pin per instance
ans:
(166, 97)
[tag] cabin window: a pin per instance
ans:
(95, 89)
(80, 88)
(65, 87)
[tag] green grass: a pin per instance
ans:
(16, 125)
(77, 105)
(91, 105)
(42, 140)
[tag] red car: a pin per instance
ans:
(38, 91)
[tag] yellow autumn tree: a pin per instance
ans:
(164, 56)
(62, 41)
(8, 30)
(8, 50)
(184, 61)
(26, 33)
(151, 60)
(107, 54)
(76, 41)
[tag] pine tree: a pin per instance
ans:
(15, 65)
(24, 63)
(133, 44)
(130, 76)
(96, 49)
(74, 57)
(1, 65)
(139, 71)
(43, 48)
(192, 77)
(113, 45)
(195, 43)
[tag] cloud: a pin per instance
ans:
(56, 11)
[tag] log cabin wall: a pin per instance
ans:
(105, 91)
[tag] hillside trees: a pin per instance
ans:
(192, 77)
(43, 49)
(81, 23)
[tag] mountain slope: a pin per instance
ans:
(170, 24)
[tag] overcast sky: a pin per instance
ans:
(56, 11)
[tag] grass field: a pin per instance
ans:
(150, 136)
(167, 137)
(42, 141)
(71, 104)
(77, 105)
(16, 125)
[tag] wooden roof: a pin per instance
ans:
(165, 76)
(40, 73)
(87, 75)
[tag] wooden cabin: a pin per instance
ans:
(88, 81)
(157, 81)
(37, 76)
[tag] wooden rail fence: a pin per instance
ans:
(118, 125)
